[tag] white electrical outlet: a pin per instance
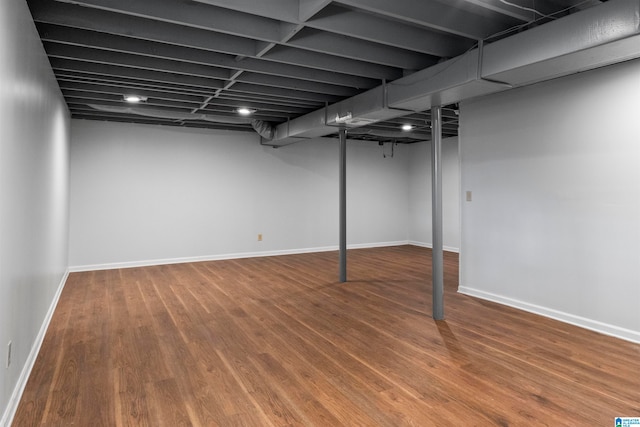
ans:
(9, 354)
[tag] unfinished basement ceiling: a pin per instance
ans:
(197, 61)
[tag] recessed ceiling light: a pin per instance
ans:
(407, 127)
(134, 99)
(244, 111)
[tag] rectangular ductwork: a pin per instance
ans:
(598, 36)
(360, 110)
(446, 83)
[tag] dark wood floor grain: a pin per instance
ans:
(277, 341)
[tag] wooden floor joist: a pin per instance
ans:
(277, 341)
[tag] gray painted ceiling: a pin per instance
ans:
(197, 61)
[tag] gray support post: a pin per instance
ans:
(436, 213)
(343, 205)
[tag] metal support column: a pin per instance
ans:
(343, 205)
(436, 213)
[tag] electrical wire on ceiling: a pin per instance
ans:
(543, 16)
(528, 9)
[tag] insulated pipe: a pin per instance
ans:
(436, 213)
(343, 204)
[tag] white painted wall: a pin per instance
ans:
(34, 150)
(147, 194)
(420, 194)
(554, 225)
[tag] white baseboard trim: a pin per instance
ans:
(376, 245)
(164, 261)
(593, 325)
(14, 401)
(430, 246)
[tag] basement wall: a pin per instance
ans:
(34, 198)
(554, 224)
(420, 229)
(149, 194)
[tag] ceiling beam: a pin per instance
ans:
(81, 77)
(308, 8)
(282, 10)
(117, 71)
(58, 50)
(141, 28)
(496, 6)
(84, 97)
(285, 111)
(366, 26)
(219, 106)
(327, 62)
(193, 14)
(284, 93)
(361, 50)
(90, 78)
(131, 118)
(432, 14)
(246, 98)
(180, 60)
(122, 118)
(84, 29)
(120, 90)
(284, 82)
(149, 19)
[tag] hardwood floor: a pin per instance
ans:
(278, 342)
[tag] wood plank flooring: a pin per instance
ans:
(277, 341)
